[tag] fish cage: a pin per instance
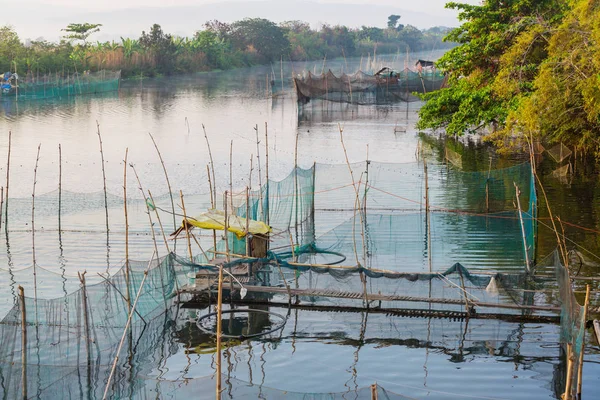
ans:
(385, 86)
(411, 241)
(60, 85)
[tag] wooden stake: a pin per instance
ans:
(7, 182)
(162, 231)
(569, 379)
(247, 222)
(114, 366)
(260, 186)
(582, 350)
(212, 165)
(86, 320)
(563, 251)
(33, 230)
(267, 172)
(59, 186)
(518, 193)
(23, 341)
(187, 231)
(219, 328)
(374, 391)
(427, 217)
(2, 205)
(357, 207)
(231, 173)
(127, 267)
(166, 177)
(226, 229)
(103, 176)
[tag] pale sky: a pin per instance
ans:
(44, 18)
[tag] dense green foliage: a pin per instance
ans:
(217, 46)
(523, 70)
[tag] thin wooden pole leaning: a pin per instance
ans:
(212, 166)
(7, 182)
(160, 225)
(116, 360)
(23, 342)
(127, 266)
(524, 237)
(212, 205)
(185, 224)
(166, 177)
(33, 232)
(357, 207)
(582, 350)
(103, 175)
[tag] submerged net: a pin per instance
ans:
(59, 85)
(362, 88)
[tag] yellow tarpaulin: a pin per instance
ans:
(215, 219)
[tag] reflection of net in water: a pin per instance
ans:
(342, 258)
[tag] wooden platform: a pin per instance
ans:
(371, 297)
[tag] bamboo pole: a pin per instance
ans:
(569, 380)
(59, 186)
(226, 229)
(33, 231)
(160, 225)
(212, 165)
(374, 395)
(116, 360)
(86, 321)
(518, 193)
(267, 172)
(296, 186)
(23, 342)
(563, 251)
(166, 177)
(127, 267)
(281, 68)
(212, 205)
(231, 173)
(219, 328)
(103, 176)
(427, 217)
(582, 350)
(185, 224)
(357, 207)
(7, 182)
(262, 209)
(247, 222)
(2, 205)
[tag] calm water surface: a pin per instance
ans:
(315, 352)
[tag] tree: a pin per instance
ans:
(261, 36)
(393, 21)
(482, 88)
(162, 48)
(81, 31)
(10, 47)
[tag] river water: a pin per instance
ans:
(316, 353)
